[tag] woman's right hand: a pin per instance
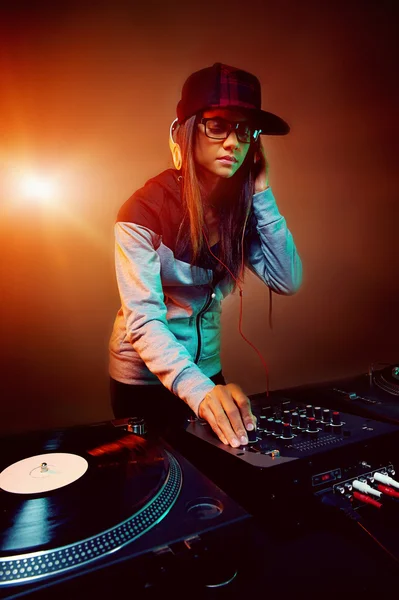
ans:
(228, 411)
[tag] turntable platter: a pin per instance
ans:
(115, 487)
(388, 379)
(42, 473)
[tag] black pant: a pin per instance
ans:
(162, 410)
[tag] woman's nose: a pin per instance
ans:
(231, 140)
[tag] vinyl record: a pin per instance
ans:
(125, 474)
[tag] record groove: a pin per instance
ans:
(45, 563)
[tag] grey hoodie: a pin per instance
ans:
(168, 327)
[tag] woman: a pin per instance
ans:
(181, 244)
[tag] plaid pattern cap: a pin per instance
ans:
(223, 86)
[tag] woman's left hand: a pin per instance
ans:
(262, 178)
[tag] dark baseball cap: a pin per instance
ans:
(223, 86)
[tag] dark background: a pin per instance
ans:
(87, 94)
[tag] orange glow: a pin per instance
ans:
(38, 188)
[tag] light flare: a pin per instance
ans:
(38, 188)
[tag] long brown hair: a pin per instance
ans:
(232, 199)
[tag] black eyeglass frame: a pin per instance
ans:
(233, 125)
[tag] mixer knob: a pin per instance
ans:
(267, 411)
(270, 424)
(295, 419)
(286, 416)
(336, 418)
(326, 415)
(303, 422)
(312, 425)
(278, 427)
(287, 431)
(252, 437)
(318, 413)
(309, 410)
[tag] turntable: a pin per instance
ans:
(373, 394)
(83, 500)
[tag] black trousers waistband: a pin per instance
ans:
(161, 409)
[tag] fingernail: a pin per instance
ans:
(235, 442)
(244, 440)
(250, 426)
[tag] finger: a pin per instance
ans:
(208, 415)
(244, 406)
(221, 418)
(226, 416)
(223, 422)
(220, 434)
(232, 412)
(234, 417)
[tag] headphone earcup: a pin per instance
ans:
(177, 157)
(175, 149)
(176, 154)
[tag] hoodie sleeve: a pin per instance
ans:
(272, 255)
(140, 288)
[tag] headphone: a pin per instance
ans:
(174, 146)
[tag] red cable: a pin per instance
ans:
(241, 292)
(366, 499)
(385, 489)
(377, 542)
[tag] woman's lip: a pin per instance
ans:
(227, 159)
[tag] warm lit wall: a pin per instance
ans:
(89, 96)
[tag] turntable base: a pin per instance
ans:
(135, 497)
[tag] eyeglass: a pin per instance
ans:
(220, 129)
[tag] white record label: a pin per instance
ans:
(42, 473)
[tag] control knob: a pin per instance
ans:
(309, 410)
(267, 411)
(303, 421)
(295, 419)
(287, 416)
(287, 432)
(252, 437)
(312, 425)
(336, 419)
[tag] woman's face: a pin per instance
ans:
(212, 155)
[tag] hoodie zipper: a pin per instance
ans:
(210, 297)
